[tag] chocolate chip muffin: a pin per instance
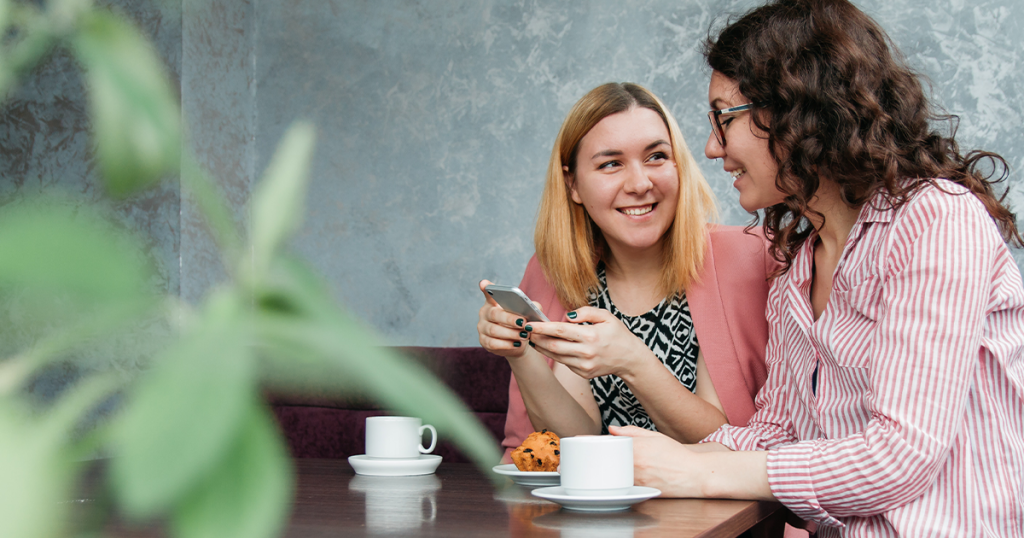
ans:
(539, 452)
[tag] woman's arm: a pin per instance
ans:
(680, 414)
(708, 470)
(606, 347)
(556, 400)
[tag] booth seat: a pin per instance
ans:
(332, 427)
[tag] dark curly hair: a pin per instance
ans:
(838, 101)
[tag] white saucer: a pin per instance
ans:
(425, 464)
(597, 503)
(528, 478)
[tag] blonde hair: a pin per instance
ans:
(568, 243)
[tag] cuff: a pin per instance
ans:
(789, 477)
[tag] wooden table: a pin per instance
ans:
(458, 500)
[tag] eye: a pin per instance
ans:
(657, 156)
(607, 165)
(726, 121)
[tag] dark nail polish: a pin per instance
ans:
(519, 323)
(529, 328)
(572, 315)
(532, 344)
(517, 343)
(524, 334)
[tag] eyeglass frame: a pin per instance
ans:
(716, 125)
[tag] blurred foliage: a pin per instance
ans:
(193, 445)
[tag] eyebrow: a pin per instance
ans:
(617, 152)
(717, 104)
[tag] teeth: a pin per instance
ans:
(738, 173)
(637, 211)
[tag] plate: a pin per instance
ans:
(602, 503)
(528, 478)
(425, 464)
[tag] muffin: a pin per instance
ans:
(538, 453)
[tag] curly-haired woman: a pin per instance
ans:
(894, 404)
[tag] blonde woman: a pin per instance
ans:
(657, 316)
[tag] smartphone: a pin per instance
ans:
(514, 300)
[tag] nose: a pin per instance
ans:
(637, 181)
(713, 150)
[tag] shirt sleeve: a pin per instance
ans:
(925, 342)
(770, 426)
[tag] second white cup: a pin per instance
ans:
(596, 465)
(397, 437)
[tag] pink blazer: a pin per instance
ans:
(728, 309)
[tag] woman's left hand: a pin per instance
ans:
(605, 347)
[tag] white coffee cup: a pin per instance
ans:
(397, 437)
(596, 465)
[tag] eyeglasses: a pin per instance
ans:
(716, 123)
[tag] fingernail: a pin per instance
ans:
(523, 334)
(532, 344)
(517, 343)
(519, 323)
(572, 315)
(529, 328)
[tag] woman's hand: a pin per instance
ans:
(707, 470)
(501, 332)
(661, 462)
(605, 347)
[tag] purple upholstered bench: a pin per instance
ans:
(317, 427)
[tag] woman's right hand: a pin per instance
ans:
(501, 332)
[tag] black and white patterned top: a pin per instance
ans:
(668, 331)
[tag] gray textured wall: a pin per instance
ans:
(435, 124)
(437, 118)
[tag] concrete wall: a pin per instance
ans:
(435, 123)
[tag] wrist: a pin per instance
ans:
(643, 365)
(734, 475)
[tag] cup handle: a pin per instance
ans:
(433, 439)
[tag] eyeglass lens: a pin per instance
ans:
(716, 127)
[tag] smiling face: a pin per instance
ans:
(745, 155)
(626, 180)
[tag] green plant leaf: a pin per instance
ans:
(186, 413)
(35, 472)
(59, 250)
(278, 200)
(136, 117)
(351, 355)
(248, 492)
(5, 15)
(33, 478)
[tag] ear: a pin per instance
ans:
(570, 182)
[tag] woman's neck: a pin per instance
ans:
(837, 220)
(834, 226)
(634, 280)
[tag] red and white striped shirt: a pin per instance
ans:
(917, 424)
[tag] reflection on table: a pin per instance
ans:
(459, 500)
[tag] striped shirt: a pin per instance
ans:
(917, 424)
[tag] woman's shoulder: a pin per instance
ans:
(937, 202)
(739, 249)
(725, 236)
(941, 195)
